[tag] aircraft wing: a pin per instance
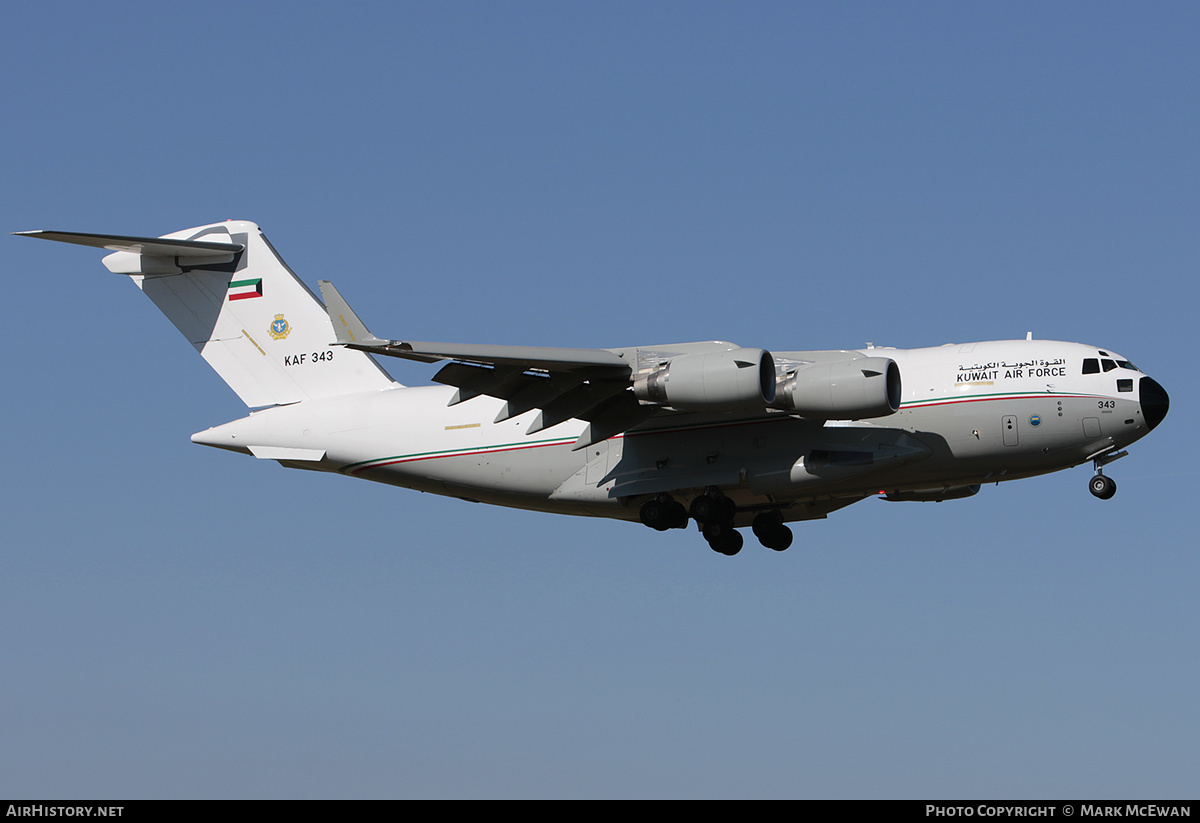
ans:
(562, 383)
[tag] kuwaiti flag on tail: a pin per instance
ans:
(245, 289)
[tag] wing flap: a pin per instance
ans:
(578, 403)
(472, 381)
(535, 393)
(617, 414)
(527, 357)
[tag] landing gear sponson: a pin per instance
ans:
(714, 514)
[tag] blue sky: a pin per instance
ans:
(177, 621)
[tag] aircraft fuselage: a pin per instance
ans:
(970, 414)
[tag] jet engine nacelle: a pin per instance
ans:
(842, 390)
(718, 380)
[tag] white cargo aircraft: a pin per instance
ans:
(712, 432)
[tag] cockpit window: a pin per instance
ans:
(1091, 365)
(1125, 364)
(1108, 365)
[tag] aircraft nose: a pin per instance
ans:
(1154, 401)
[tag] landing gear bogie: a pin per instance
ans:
(770, 531)
(714, 513)
(723, 538)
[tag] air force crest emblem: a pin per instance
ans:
(279, 328)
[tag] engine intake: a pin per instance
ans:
(842, 390)
(719, 380)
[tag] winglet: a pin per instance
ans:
(346, 325)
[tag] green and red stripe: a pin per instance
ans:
(979, 398)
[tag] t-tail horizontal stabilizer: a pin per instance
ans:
(157, 246)
(150, 255)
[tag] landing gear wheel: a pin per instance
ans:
(662, 513)
(779, 541)
(1103, 486)
(712, 508)
(723, 539)
(770, 531)
(656, 514)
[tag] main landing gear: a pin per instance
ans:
(664, 512)
(714, 513)
(722, 538)
(770, 531)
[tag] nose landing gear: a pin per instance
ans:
(1101, 485)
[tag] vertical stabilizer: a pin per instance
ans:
(229, 293)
